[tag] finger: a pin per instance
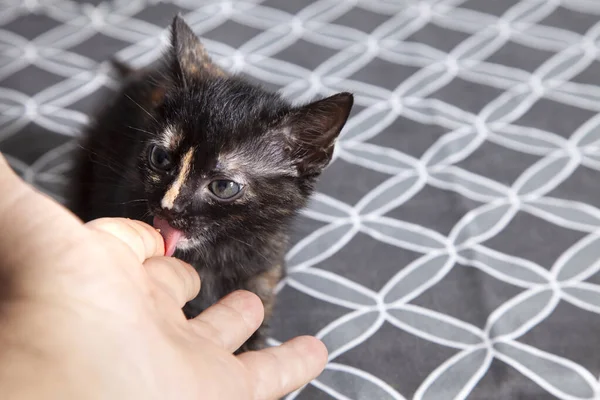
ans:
(6, 171)
(141, 238)
(50, 230)
(175, 278)
(231, 321)
(23, 200)
(277, 371)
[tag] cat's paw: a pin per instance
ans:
(255, 343)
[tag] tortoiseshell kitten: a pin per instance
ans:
(219, 165)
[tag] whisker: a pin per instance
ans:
(139, 129)
(146, 215)
(122, 171)
(249, 246)
(141, 108)
(132, 201)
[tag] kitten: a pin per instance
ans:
(218, 165)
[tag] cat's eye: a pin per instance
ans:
(160, 158)
(224, 189)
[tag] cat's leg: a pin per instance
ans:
(263, 285)
(190, 310)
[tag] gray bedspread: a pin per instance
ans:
(452, 250)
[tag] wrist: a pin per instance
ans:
(38, 361)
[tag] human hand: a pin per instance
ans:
(94, 312)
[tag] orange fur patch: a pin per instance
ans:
(171, 195)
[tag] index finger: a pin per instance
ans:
(141, 238)
(277, 371)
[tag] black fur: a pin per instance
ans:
(279, 151)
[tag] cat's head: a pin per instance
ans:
(227, 158)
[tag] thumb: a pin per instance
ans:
(35, 227)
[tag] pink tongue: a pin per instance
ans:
(169, 234)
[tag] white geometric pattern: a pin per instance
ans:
(59, 52)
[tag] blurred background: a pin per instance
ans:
(452, 249)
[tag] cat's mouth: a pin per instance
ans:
(172, 236)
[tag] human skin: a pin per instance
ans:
(94, 312)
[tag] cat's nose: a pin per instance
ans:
(177, 208)
(176, 204)
(173, 212)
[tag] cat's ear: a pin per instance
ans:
(190, 58)
(312, 130)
